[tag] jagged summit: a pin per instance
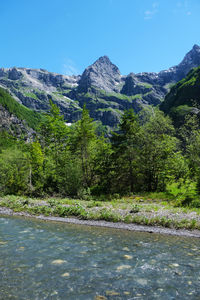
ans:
(191, 60)
(102, 74)
(196, 48)
(103, 60)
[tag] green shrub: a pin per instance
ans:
(135, 209)
(183, 191)
(107, 215)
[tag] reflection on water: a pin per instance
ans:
(40, 260)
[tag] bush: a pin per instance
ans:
(184, 191)
(135, 209)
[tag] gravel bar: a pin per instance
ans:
(118, 225)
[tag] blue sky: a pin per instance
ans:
(65, 36)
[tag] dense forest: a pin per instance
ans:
(145, 154)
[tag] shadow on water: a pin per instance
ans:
(44, 260)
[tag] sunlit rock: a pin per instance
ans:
(58, 262)
(65, 275)
(126, 293)
(142, 281)
(54, 293)
(39, 265)
(112, 293)
(3, 243)
(175, 265)
(21, 248)
(99, 297)
(126, 249)
(123, 267)
(128, 256)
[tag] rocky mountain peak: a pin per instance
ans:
(191, 59)
(196, 48)
(102, 74)
(103, 60)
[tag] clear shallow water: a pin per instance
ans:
(40, 260)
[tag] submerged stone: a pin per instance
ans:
(3, 243)
(21, 248)
(126, 249)
(58, 262)
(126, 293)
(123, 267)
(175, 265)
(39, 265)
(128, 256)
(99, 297)
(142, 281)
(65, 275)
(54, 293)
(112, 293)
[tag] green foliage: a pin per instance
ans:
(184, 191)
(85, 145)
(77, 162)
(36, 167)
(158, 152)
(183, 97)
(135, 209)
(14, 170)
(23, 113)
(125, 151)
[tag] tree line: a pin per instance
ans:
(145, 154)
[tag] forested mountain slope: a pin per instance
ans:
(15, 117)
(184, 97)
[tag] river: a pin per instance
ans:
(49, 260)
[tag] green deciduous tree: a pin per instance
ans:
(14, 170)
(36, 160)
(158, 150)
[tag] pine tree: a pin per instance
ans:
(126, 149)
(85, 141)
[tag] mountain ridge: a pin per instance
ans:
(101, 86)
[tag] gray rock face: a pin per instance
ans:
(102, 74)
(159, 81)
(50, 79)
(2, 72)
(14, 74)
(133, 87)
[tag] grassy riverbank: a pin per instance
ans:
(144, 210)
